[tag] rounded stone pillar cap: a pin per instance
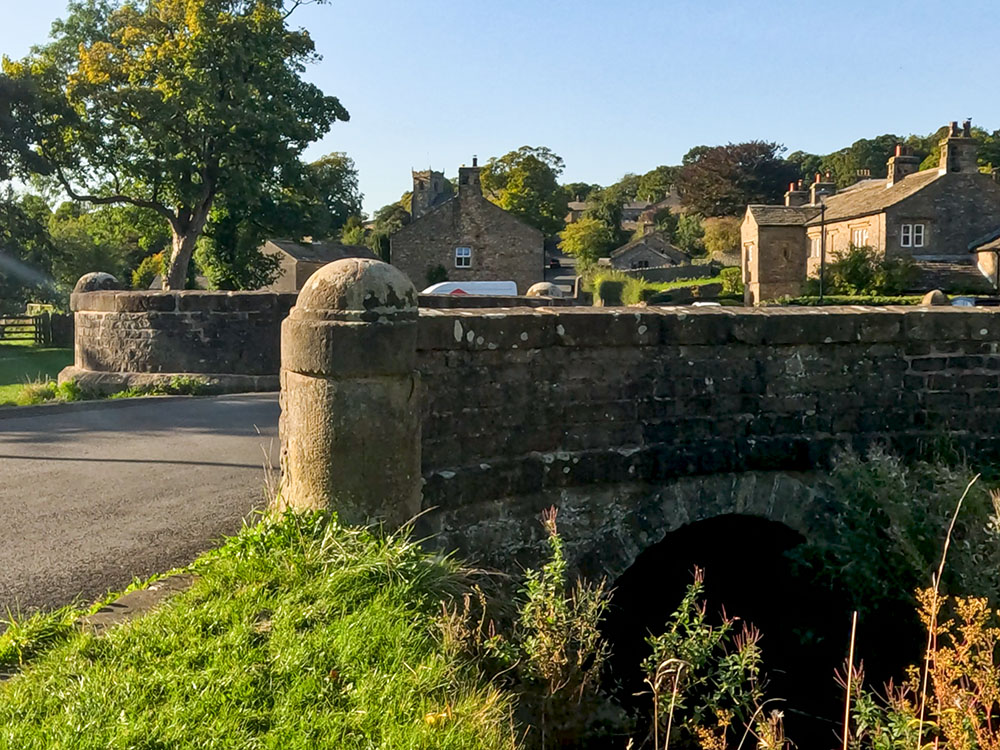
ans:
(934, 298)
(361, 289)
(96, 281)
(544, 289)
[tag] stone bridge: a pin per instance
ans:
(632, 421)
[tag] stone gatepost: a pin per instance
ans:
(350, 421)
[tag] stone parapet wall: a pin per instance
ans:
(125, 339)
(525, 402)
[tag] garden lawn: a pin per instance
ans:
(298, 633)
(24, 363)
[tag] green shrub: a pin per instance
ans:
(609, 291)
(864, 271)
(732, 281)
(147, 270)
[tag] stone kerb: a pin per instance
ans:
(350, 417)
(125, 339)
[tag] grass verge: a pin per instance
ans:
(21, 364)
(299, 633)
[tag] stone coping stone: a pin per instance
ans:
(529, 328)
(106, 383)
(182, 301)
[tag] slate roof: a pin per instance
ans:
(319, 252)
(872, 196)
(990, 241)
(655, 242)
(782, 216)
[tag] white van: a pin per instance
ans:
(491, 288)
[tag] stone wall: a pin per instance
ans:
(524, 408)
(128, 339)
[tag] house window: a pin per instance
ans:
(749, 249)
(911, 235)
(859, 237)
(815, 247)
(463, 257)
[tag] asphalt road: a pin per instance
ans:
(94, 495)
(564, 275)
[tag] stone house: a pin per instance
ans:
(649, 251)
(987, 253)
(298, 261)
(930, 216)
(465, 236)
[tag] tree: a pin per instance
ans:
(526, 183)
(587, 240)
(689, 233)
(865, 156)
(807, 164)
(722, 235)
(167, 104)
(25, 252)
(330, 191)
(655, 185)
(580, 191)
(721, 181)
(386, 222)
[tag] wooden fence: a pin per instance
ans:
(46, 329)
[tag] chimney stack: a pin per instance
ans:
(468, 179)
(901, 165)
(796, 196)
(959, 150)
(821, 188)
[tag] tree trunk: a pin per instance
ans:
(183, 248)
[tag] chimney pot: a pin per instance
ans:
(475, 160)
(791, 186)
(818, 177)
(899, 149)
(967, 128)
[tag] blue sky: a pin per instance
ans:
(624, 85)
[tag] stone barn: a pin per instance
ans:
(300, 260)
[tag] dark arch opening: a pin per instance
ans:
(805, 627)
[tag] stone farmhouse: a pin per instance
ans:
(931, 216)
(300, 260)
(652, 250)
(466, 235)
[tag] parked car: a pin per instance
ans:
(554, 263)
(491, 288)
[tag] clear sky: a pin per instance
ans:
(624, 85)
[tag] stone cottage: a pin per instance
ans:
(298, 261)
(649, 251)
(930, 216)
(465, 237)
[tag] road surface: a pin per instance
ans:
(93, 495)
(564, 275)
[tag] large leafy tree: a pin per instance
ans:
(166, 104)
(314, 200)
(526, 183)
(722, 180)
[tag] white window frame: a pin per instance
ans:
(463, 257)
(859, 237)
(749, 247)
(815, 246)
(913, 235)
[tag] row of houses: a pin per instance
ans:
(946, 220)
(466, 237)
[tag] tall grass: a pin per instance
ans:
(299, 633)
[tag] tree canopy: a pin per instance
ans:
(587, 240)
(722, 180)
(166, 106)
(526, 183)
